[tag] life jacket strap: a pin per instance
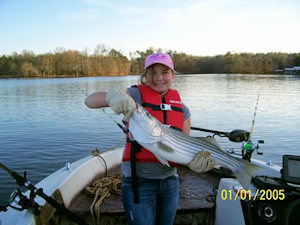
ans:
(135, 147)
(163, 106)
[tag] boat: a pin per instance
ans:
(215, 197)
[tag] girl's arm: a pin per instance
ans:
(187, 126)
(96, 100)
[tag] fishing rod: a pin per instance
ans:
(219, 133)
(124, 129)
(253, 120)
(235, 135)
(249, 146)
(22, 181)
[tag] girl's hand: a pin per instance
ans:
(120, 102)
(202, 162)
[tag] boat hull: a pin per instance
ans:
(67, 186)
(68, 182)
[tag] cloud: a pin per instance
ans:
(197, 27)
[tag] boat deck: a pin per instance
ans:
(196, 199)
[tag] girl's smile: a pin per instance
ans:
(159, 77)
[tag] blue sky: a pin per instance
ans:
(198, 27)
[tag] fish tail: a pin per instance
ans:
(248, 171)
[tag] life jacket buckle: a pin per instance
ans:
(165, 107)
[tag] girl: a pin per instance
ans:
(150, 190)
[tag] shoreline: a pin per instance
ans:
(72, 76)
(61, 76)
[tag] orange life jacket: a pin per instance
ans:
(168, 110)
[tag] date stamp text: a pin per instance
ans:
(259, 194)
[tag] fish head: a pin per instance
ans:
(142, 123)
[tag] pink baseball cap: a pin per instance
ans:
(161, 58)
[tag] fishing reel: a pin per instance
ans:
(19, 201)
(22, 202)
(18, 198)
(248, 147)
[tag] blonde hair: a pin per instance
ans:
(142, 79)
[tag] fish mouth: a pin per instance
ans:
(140, 110)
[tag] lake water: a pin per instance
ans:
(44, 122)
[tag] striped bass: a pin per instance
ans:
(168, 144)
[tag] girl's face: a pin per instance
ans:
(159, 77)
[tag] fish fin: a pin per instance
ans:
(162, 160)
(211, 140)
(165, 147)
(157, 145)
(247, 172)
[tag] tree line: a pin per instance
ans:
(105, 61)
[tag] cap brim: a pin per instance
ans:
(161, 64)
